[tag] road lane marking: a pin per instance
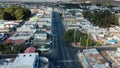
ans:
(69, 61)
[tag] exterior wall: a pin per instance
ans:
(83, 60)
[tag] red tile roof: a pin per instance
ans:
(29, 50)
(15, 41)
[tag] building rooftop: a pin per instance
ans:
(30, 50)
(113, 57)
(21, 35)
(25, 59)
(94, 59)
(26, 28)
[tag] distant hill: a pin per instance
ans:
(103, 2)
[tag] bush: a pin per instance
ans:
(47, 46)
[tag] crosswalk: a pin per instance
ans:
(67, 64)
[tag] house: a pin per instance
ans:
(10, 24)
(2, 26)
(2, 22)
(42, 35)
(7, 26)
(26, 28)
(24, 60)
(19, 37)
(85, 23)
(113, 57)
(5, 30)
(13, 23)
(114, 31)
(93, 59)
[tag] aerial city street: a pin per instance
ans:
(59, 34)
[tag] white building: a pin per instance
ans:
(23, 60)
(26, 28)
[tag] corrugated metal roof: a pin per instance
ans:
(94, 58)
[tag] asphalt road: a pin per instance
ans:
(66, 56)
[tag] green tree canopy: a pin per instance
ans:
(101, 18)
(6, 48)
(83, 38)
(15, 13)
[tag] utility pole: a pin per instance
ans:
(74, 36)
(87, 40)
(80, 40)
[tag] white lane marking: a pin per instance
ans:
(69, 61)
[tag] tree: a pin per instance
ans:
(113, 19)
(19, 14)
(15, 13)
(27, 13)
(69, 36)
(6, 48)
(83, 38)
(86, 41)
(101, 18)
(1, 13)
(6, 16)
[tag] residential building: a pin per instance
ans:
(19, 37)
(113, 57)
(30, 50)
(7, 26)
(93, 59)
(26, 28)
(115, 31)
(24, 60)
(83, 60)
(42, 35)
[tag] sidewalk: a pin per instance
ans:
(102, 46)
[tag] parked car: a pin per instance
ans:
(2, 36)
(28, 43)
